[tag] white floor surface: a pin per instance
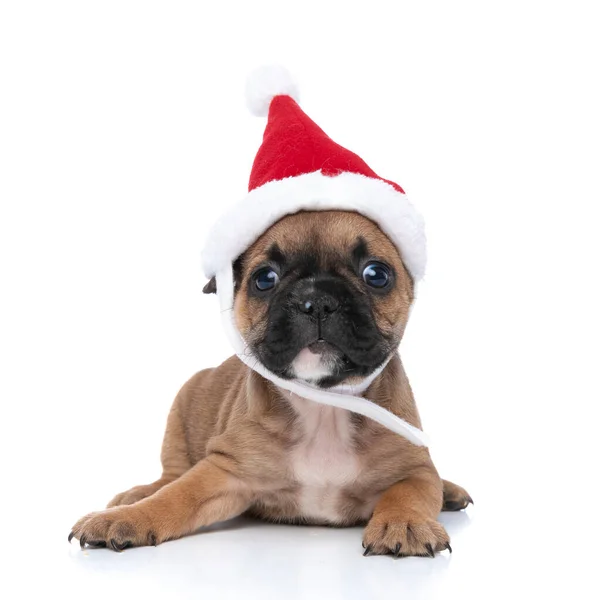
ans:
(496, 555)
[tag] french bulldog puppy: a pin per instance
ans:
(322, 297)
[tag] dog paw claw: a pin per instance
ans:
(119, 547)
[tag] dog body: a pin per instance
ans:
(303, 462)
(323, 297)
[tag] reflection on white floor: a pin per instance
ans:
(259, 560)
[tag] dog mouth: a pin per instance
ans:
(320, 361)
(323, 347)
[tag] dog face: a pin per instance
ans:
(323, 297)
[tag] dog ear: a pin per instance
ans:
(210, 287)
(238, 269)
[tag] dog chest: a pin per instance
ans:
(323, 462)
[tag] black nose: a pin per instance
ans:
(319, 306)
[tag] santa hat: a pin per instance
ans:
(298, 167)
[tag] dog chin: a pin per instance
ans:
(316, 362)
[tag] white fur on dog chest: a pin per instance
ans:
(324, 461)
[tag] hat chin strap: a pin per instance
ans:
(340, 396)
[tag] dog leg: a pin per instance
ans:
(455, 497)
(174, 457)
(404, 521)
(205, 494)
(139, 492)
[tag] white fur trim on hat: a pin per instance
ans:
(264, 84)
(373, 198)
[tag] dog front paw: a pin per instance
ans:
(116, 528)
(413, 536)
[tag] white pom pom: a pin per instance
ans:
(264, 84)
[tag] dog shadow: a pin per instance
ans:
(455, 522)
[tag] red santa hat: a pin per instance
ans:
(299, 168)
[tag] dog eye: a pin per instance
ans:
(376, 275)
(266, 279)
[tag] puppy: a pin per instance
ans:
(323, 297)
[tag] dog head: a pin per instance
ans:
(322, 297)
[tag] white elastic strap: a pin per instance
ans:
(338, 396)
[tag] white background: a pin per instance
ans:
(123, 134)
